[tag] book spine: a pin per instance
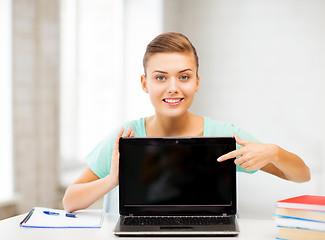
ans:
(298, 223)
(298, 218)
(299, 206)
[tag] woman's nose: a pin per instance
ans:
(172, 86)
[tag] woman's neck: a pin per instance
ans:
(185, 125)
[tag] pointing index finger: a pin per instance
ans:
(230, 155)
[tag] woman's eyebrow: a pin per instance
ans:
(159, 71)
(187, 69)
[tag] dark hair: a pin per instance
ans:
(168, 43)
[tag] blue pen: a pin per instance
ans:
(51, 213)
(70, 215)
(55, 213)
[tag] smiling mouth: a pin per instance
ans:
(172, 100)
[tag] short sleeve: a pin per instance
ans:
(99, 159)
(246, 136)
(224, 129)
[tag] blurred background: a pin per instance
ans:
(70, 73)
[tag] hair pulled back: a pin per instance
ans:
(170, 42)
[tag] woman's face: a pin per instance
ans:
(171, 81)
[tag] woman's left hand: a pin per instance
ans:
(252, 156)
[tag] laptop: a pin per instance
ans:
(176, 187)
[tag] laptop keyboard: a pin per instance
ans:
(177, 220)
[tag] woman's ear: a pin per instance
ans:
(197, 83)
(144, 83)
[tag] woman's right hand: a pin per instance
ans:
(114, 172)
(88, 188)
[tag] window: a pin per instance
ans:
(103, 42)
(90, 74)
(6, 170)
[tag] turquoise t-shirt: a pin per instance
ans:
(99, 159)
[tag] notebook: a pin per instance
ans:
(40, 217)
(176, 187)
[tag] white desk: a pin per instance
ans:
(250, 229)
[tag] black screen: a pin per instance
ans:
(171, 172)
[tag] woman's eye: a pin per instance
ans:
(160, 78)
(184, 77)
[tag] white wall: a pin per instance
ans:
(6, 170)
(262, 68)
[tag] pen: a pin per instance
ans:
(70, 215)
(51, 213)
(55, 213)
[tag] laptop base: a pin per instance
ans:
(176, 231)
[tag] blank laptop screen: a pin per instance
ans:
(176, 172)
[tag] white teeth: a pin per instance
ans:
(172, 100)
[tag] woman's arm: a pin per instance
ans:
(88, 188)
(269, 158)
(288, 166)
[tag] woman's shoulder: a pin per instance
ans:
(218, 128)
(225, 129)
(99, 158)
(138, 126)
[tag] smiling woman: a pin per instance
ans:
(171, 81)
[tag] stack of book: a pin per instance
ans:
(301, 217)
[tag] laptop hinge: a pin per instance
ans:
(224, 215)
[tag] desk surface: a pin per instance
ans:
(9, 228)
